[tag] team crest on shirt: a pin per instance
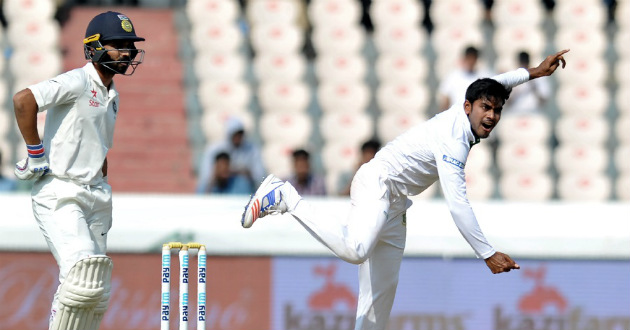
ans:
(115, 107)
(453, 161)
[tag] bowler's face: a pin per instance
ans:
(484, 114)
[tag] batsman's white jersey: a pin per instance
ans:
(72, 203)
(80, 124)
(374, 234)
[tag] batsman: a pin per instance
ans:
(71, 198)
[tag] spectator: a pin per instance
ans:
(303, 179)
(6, 184)
(368, 150)
(224, 181)
(245, 158)
(528, 98)
(452, 90)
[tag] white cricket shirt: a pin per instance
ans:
(80, 122)
(438, 148)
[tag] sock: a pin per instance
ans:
(290, 196)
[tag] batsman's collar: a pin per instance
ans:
(112, 25)
(91, 71)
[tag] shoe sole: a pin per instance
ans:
(252, 210)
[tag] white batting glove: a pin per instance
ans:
(34, 166)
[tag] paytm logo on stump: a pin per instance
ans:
(314, 294)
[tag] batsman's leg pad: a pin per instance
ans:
(84, 295)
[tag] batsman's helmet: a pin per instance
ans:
(110, 26)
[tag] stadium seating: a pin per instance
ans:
(283, 97)
(456, 12)
(582, 129)
(583, 99)
(523, 157)
(214, 37)
(526, 186)
(396, 38)
(276, 38)
(219, 66)
(339, 68)
(381, 83)
(581, 158)
(342, 97)
(280, 67)
(277, 158)
(405, 67)
(580, 13)
(248, 62)
(213, 122)
(349, 127)
(338, 39)
(594, 187)
(518, 12)
(623, 187)
(479, 185)
(201, 11)
(531, 128)
(479, 158)
(402, 96)
(322, 13)
(293, 129)
(267, 11)
(392, 124)
(225, 94)
(340, 156)
(396, 12)
(17, 10)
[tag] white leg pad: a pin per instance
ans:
(84, 295)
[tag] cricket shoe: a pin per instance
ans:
(266, 200)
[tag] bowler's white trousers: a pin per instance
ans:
(74, 220)
(372, 236)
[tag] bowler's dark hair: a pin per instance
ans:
(487, 88)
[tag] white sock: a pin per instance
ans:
(290, 196)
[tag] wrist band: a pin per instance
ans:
(35, 151)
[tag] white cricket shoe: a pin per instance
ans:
(266, 200)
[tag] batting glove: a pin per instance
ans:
(34, 166)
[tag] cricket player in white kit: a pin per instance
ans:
(72, 201)
(374, 234)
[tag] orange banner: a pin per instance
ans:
(238, 292)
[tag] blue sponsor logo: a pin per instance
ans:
(185, 299)
(202, 260)
(184, 275)
(202, 275)
(453, 161)
(166, 274)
